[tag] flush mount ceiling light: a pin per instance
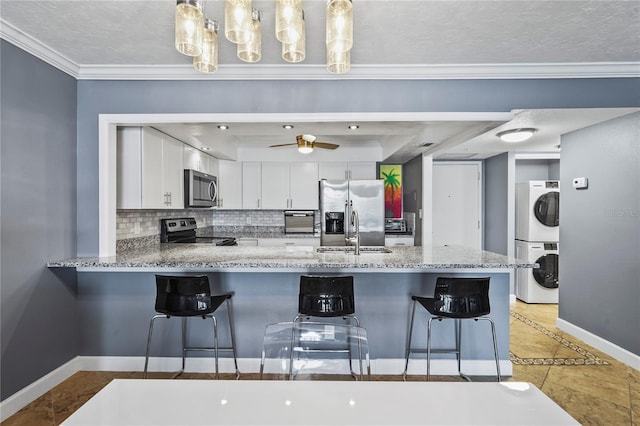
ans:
(516, 135)
(197, 36)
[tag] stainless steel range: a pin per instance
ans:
(183, 230)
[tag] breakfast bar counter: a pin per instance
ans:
(116, 301)
(250, 258)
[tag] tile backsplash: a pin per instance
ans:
(145, 224)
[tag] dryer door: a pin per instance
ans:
(547, 208)
(547, 274)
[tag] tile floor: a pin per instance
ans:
(594, 388)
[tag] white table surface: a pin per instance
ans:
(226, 402)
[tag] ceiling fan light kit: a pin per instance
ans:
(306, 144)
(516, 135)
(197, 36)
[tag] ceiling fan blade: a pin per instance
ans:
(283, 144)
(325, 145)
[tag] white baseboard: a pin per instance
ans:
(25, 396)
(600, 344)
(30, 393)
(252, 365)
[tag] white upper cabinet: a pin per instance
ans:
(229, 185)
(251, 188)
(344, 170)
(150, 170)
(289, 185)
(196, 160)
(275, 185)
(303, 186)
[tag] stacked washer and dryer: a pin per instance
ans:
(537, 240)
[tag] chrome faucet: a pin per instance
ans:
(355, 221)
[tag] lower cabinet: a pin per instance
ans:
(399, 240)
(281, 242)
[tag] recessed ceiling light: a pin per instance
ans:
(287, 126)
(516, 135)
(223, 127)
(354, 127)
(205, 148)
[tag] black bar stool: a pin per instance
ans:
(458, 299)
(190, 296)
(327, 297)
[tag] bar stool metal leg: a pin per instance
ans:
(495, 345)
(146, 357)
(429, 347)
(233, 338)
(408, 348)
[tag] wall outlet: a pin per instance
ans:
(248, 220)
(580, 183)
(136, 228)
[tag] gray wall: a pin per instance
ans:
(542, 169)
(600, 232)
(496, 208)
(95, 97)
(412, 196)
(38, 218)
(115, 309)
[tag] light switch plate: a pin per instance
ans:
(580, 183)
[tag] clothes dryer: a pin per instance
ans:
(538, 211)
(538, 285)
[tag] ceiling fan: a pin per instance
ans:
(306, 143)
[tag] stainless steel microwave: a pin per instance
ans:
(200, 189)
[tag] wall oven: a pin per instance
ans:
(200, 189)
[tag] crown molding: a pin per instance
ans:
(318, 72)
(38, 49)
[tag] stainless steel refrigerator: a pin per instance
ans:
(339, 199)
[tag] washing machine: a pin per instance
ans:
(538, 210)
(538, 285)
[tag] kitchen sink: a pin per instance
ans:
(338, 249)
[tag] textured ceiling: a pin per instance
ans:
(140, 32)
(400, 35)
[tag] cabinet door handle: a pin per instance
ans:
(258, 202)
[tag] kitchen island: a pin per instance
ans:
(116, 298)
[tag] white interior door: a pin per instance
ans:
(457, 204)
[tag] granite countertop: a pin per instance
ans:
(208, 256)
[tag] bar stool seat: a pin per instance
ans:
(459, 299)
(190, 296)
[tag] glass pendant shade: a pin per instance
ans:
(295, 52)
(189, 27)
(237, 20)
(338, 62)
(208, 60)
(252, 51)
(339, 25)
(288, 22)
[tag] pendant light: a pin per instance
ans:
(339, 25)
(189, 27)
(288, 23)
(338, 62)
(252, 51)
(237, 20)
(208, 61)
(295, 52)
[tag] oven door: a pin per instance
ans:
(200, 189)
